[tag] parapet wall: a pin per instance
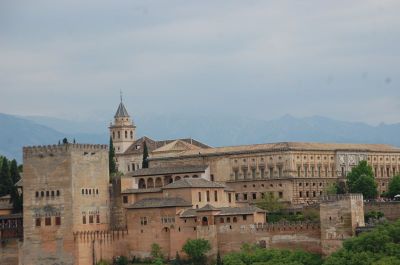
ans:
(60, 148)
(303, 235)
(341, 197)
(391, 210)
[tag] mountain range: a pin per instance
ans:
(19, 131)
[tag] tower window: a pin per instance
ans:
(47, 221)
(216, 195)
(208, 196)
(119, 134)
(131, 135)
(126, 134)
(113, 135)
(58, 193)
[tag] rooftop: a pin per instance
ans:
(121, 111)
(194, 183)
(166, 170)
(285, 146)
(247, 210)
(160, 203)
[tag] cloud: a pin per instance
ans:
(255, 58)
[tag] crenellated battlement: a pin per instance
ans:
(61, 148)
(288, 226)
(340, 197)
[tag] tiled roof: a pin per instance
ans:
(223, 211)
(121, 111)
(166, 171)
(194, 183)
(135, 191)
(285, 146)
(207, 208)
(240, 210)
(160, 203)
(153, 145)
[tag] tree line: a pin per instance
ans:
(9, 176)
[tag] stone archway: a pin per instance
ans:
(158, 183)
(150, 183)
(142, 184)
(204, 221)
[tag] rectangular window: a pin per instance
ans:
(307, 194)
(236, 196)
(229, 197)
(388, 172)
(98, 219)
(244, 217)
(38, 221)
(305, 171)
(312, 171)
(301, 194)
(143, 220)
(208, 195)
(280, 171)
(253, 173)
(236, 174)
(90, 219)
(271, 172)
(245, 196)
(199, 196)
(216, 195)
(84, 219)
(280, 194)
(262, 170)
(298, 171)
(319, 171)
(47, 221)
(254, 196)
(58, 220)
(125, 199)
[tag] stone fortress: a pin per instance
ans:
(73, 214)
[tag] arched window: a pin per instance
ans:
(195, 176)
(221, 220)
(150, 183)
(58, 193)
(204, 221)
(177, 178)
(113, 135)
(131, 134)
(126, 134)
(119, 134)
(234, 220)
(142, 184)
(158, 182)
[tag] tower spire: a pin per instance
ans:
(120, 94)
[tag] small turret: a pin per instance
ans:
(122, 131)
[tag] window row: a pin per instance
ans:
(385, 171)
(256, 195)
(252, 173)
(312, 171)
(167, 220)
(90, 191)
(311, 184)
(208, 198)
(91, 219)
(48, 221)
(126, 134)
(309, 194)
(47, 193)
(262, 185)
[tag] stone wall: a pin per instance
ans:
(9, 249)
(391, 210)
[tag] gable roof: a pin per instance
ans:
(121, 111)
(193, 183)
(166, 171)
(176, 146)
(153, 145)
(160, 203)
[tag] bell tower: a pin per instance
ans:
(122, 131)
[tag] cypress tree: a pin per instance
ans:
(219, 260)
(14, 172)
(111, 158)
(145, 163)
(16, 198)
(5, 179)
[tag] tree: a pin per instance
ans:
(145, 163)
(111, 158)
(156, 252)
(65, 141)
(219, 260)
(270, 203)
(196, 250)
(5, 178)
(361, 180)
(394, 186)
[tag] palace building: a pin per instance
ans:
(75, 213)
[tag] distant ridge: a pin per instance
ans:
(16, 131)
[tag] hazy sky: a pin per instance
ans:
(259, 59)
